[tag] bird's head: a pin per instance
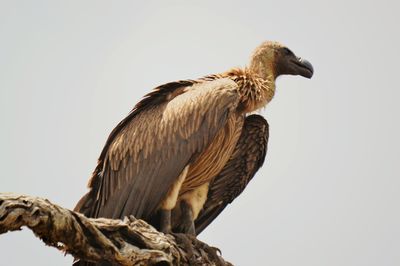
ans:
(274, 59)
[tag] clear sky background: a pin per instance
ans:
(328, 193)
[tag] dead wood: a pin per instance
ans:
(121, 242)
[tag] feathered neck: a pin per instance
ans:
(255, 92)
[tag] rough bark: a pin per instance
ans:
(121, 242)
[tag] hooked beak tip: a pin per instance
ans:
(307, 67)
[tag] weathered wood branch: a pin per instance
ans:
(121, 242)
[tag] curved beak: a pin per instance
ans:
(304, 67)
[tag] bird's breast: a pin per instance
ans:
(211, 161)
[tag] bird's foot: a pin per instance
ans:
(190, 244)
(185, 242)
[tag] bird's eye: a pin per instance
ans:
(287, 51)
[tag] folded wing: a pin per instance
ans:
(148, 150)
(247, 158)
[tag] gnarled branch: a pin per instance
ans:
(121, 242)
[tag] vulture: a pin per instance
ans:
(189, 147)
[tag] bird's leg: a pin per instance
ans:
(165, 221)
(187, 222)
(190, 204)
(169, 203)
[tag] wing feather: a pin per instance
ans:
(247, 158)
(149, 149)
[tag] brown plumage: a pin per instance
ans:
(246, 159)
(188, 145)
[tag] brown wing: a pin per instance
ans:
(247, 158)
(149, 149)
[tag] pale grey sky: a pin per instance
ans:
(328, 193)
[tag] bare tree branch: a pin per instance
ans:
(128, 242)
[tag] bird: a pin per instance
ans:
(188, 148)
